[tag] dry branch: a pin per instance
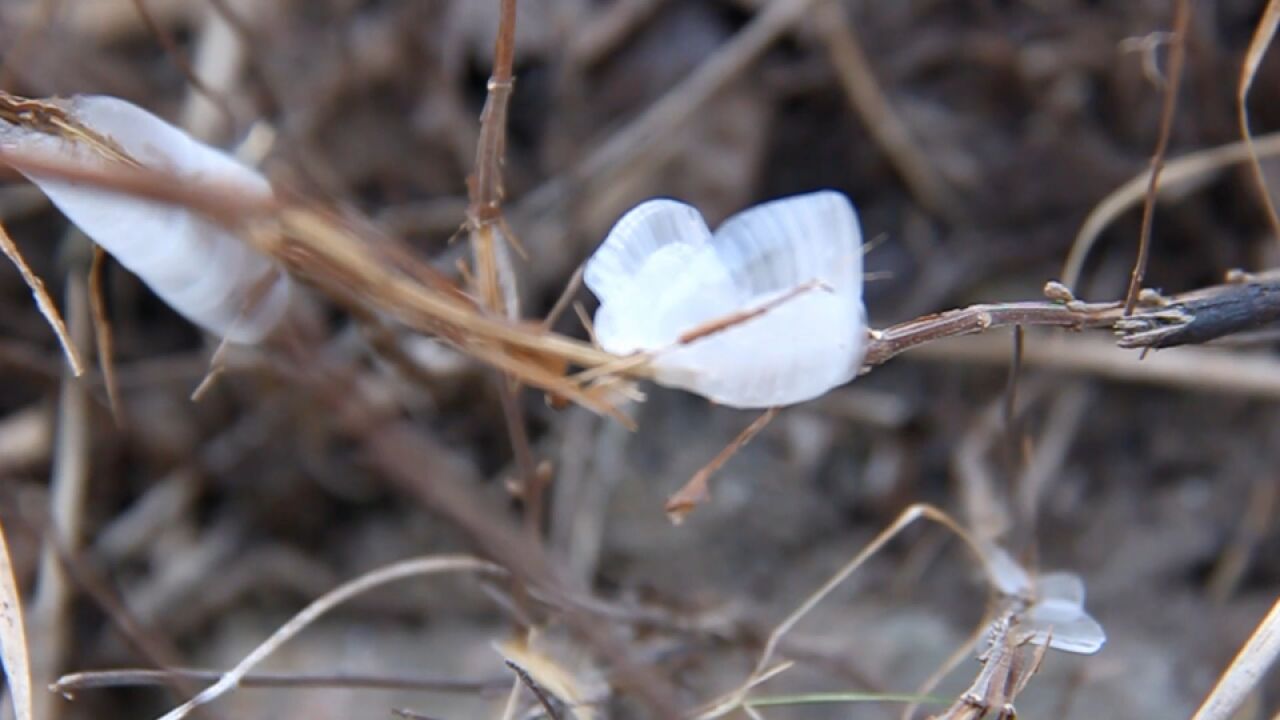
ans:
(1182, 18)
(350, 263)
(1160, 322)
(141, 677)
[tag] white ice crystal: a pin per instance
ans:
(1054, 610)
(662, 277)
(201, 270)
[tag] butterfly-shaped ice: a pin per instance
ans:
(200, 269)
(1054, 610)
(661, 275)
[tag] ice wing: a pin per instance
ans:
(1058, 615)
(1004, 571)
(642, 232)
(781, 244)
(1060, 588)
(200, 269)
(1079, 634)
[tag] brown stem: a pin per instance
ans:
(485, 209)
(484, 214)
(548, 705)
(134, 677)
(1192, 318)
(180, 59)
(486, 196)
(899, 338)
(1178, 53)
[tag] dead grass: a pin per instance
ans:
(678, 623)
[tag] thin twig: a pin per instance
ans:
(1246, 670)
(44, 302)
(1208, 370)
(675, 109)
(891, 341)
(68, 494)
(180, 59)
(566, 297)
(1012, 420)
(1180, 174)
(763, 669)
(416, 567)
(486, 188)
(1253, 526)
(1262, 37)
(140, 677)
(401, 453)
(1192, 318)
(548, 705)
(879, 118)
(607, 28)
(495, 278)
(351, 266)
(219, 60)
(150, 647)
(1177, 56)
(41, 20)
(102, 335)
(696, 491)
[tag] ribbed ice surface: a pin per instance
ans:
(661, 274)
(202, 271)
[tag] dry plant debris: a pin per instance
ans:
(146, 531)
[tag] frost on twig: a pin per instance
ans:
(200, 269)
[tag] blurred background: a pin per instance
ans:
(974, 137)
